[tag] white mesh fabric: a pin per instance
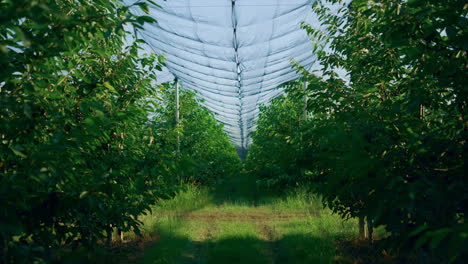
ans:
(233, 53)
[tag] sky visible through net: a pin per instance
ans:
(234, 54)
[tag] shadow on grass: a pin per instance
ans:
(176, 245)
(300, 248)
(173, 248)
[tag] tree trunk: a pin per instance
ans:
(119, 236)
(370, 230)
(109, 236)
(362, 234)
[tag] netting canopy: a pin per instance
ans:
(233, 53)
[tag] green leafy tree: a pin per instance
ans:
(276, 152)
(392, 143)
(206, 154)
(389, 141)
(76, 158)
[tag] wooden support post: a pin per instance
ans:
(362, 232)
(177, 113)
(370, 230)
(421, 112)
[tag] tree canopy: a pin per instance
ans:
(388, 142)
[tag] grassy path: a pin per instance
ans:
(235, 224)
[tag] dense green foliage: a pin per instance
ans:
(390, 142)
(87, 146)
(206, 155)
(79, 155)
(274, 157)
(74, 152)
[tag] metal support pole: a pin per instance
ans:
(177, 113)
(304, 113)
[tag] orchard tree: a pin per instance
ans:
(206, 156)
(390, 142)
(76, 158)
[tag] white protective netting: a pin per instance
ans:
(233, 53)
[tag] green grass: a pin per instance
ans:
(236, 224)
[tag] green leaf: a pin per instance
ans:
(143, 6)
(83, 194)
(145, 19)
(419, 230)
(17, 152)
(110, 87)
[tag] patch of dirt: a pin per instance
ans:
(268, 232)
(271, 236)
(196, 250)
(208, 232)
(133, 249)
